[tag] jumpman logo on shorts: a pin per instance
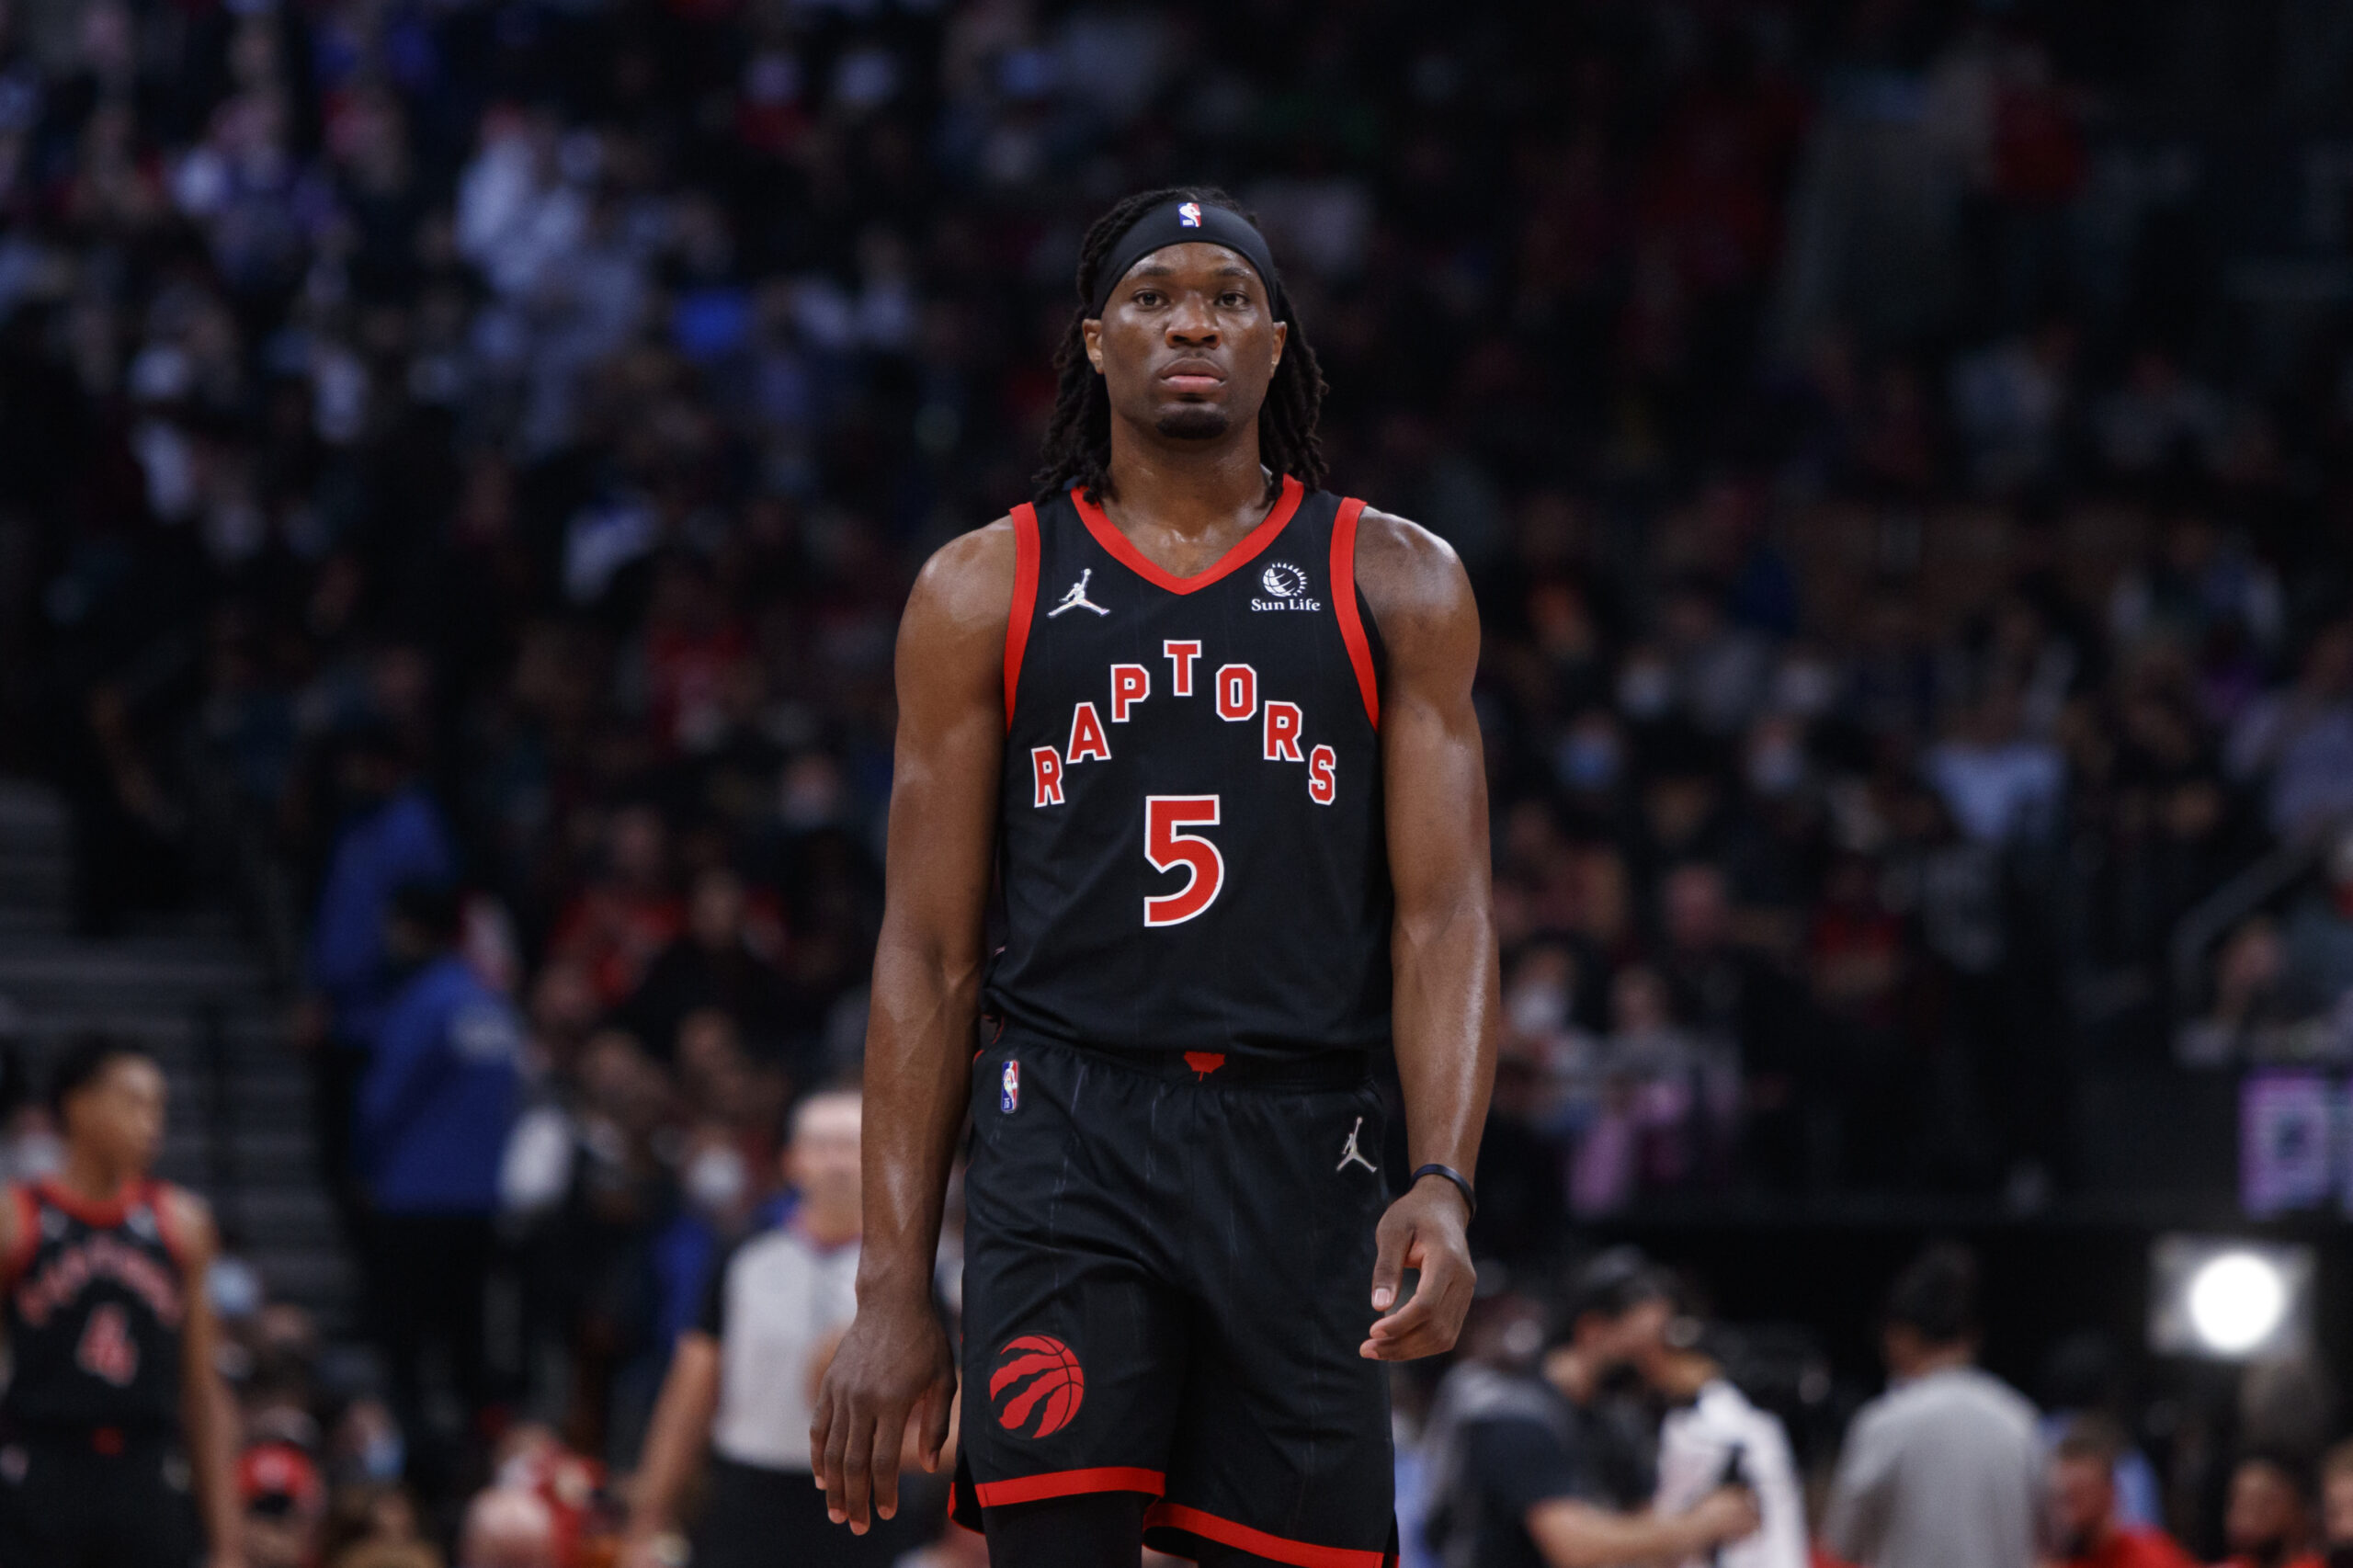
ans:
(1355, 1154)
(1076, 598)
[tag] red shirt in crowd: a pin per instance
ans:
(2129, 1546)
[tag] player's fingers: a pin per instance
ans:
(1392, 1236)
(881, 1461)
(1406, 1319)
(831, 1461)
(821, 1422)
(853, 1439)
(937, 1417)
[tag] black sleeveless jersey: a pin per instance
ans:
(94, 1305)
(1191, 829)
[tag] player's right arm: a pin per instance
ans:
(894, 1366)
(1569, 1534)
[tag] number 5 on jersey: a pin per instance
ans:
(1169, 849)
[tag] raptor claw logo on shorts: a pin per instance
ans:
(1038, 1386)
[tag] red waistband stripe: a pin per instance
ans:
(1225, 1532)
(1069, 1484)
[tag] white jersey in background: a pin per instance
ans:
(1695, 1445)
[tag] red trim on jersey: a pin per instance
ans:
(101, 1216)
(1225, 1532)
(1025, 602)
(20, 1256)
(1344, 601)
(1124, 551)
(1069, 1484)
(158, 1196)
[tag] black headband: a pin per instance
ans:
(1187, 221)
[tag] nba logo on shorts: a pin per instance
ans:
(1009, 1099)
(1188, 216)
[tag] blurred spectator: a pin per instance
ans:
(434, 1112)
(285, 1503)
(725, 960)
(2336, 1505)
(1714, 1437)
(1943, 1469)
(2086, 1529)
(743, 1381)
(620, 923)
(507, 1529)
(2298, 742)
(1521, 1475)
(391, 835)
(2268, 1521)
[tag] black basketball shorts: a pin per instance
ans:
(96, 1501)
(1167, 1273)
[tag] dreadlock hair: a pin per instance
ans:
(1078, 438)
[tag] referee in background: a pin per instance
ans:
(741, 1381)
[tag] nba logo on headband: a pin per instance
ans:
(1190, 215)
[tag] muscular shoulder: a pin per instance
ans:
(966, 588)
(1415, 586)
(188, 1221)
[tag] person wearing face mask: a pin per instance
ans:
(741, 1378)
(2268, 1521)
(2086, 1525)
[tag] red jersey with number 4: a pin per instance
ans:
(95, 1300)
(1191, 824)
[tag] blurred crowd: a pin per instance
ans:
(460, 464)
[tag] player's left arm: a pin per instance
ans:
(1443, 944)
(207, 1418)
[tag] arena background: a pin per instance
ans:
(1904, 451)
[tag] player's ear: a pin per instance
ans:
(1090, 333)
(1282, 335)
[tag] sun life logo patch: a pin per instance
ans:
(1038, 1386)
(1286, 588)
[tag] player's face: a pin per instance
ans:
(1188, 343)
(121, 1112)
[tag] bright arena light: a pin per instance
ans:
(2230, 1299)
(2236, 1302)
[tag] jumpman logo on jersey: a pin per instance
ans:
(1076, 598)
(1353, 1153)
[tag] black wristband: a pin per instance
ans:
(1461, 1185)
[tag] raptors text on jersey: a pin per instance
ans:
(95, 1307)
(1191, 824)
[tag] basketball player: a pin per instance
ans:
(1213, 728)
(113, 1413)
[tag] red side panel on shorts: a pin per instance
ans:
(1225, 1532)
(1025, 601)
(1071, 1483)
(1344, 603)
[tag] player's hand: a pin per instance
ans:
(894, 1368)
(1424, 1231)
(1729, 1512)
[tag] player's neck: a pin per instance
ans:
(86, 1174)
(1193, 490)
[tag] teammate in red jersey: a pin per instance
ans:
(1212, 728)
(116, 1433)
